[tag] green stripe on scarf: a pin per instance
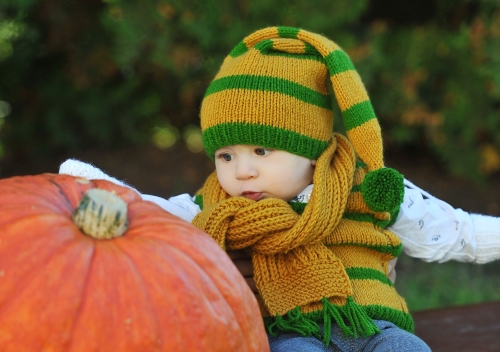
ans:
(366, 217)
(351, 318)
(360, 273)
(397, 317)
(392, 250)
(310, 326)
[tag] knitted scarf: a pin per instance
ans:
(318, 266)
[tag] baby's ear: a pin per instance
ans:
(313, 162)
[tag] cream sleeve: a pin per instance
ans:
(182, 205)
(433, 230)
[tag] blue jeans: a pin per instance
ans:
(390, 339)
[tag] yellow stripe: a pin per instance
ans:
(324, 45)
(274, 109)
(368, 141)
(349, 89)
(289, 68)
(288, 45)
(361, 257)
(352, 231)
(367, 292)
(256, 37)
(356, 204)
(359, 176)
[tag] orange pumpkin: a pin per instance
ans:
(163, 285)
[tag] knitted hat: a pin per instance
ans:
(272, 91)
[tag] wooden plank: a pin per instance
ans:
(467, 328)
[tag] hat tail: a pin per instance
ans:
(360, 121)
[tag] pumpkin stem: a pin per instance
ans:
(101, 214)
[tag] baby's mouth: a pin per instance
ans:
(252, 195)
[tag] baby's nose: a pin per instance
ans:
(245, 170)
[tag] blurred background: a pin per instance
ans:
(118, 83)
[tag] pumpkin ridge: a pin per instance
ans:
(123, 245)
(60, 191)
(14, 221)
(202, 269)
(78, 313)
(17, 188)
(32, 280)
(10, 230)
(193, 263)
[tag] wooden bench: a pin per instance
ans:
(468, 328)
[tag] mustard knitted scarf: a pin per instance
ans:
(328, 264)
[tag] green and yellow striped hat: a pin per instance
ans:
(272, 91)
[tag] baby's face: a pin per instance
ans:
(257, 172)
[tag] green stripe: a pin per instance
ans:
(395, 316)
(264, 46)
(338, 61)
(356, 188)
(225, 134)
(365, 217)
(198, 200)
(367, 274)
(298, 207)
(288, 32)
(361, 164)
(314, 57)
(239, 49)
(309, 49)
(394, 216)
(358, 114)
(271, 84)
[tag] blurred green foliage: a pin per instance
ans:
(108, 73)
(435, 285)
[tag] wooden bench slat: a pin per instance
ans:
(467, 328)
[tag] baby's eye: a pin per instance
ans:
(262, 151)
(225, 156)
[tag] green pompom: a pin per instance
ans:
(383, 190)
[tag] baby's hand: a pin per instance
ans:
(243, 261)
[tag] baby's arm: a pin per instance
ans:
(181, 206)
(433, 230)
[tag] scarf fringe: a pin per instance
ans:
(351, 318)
